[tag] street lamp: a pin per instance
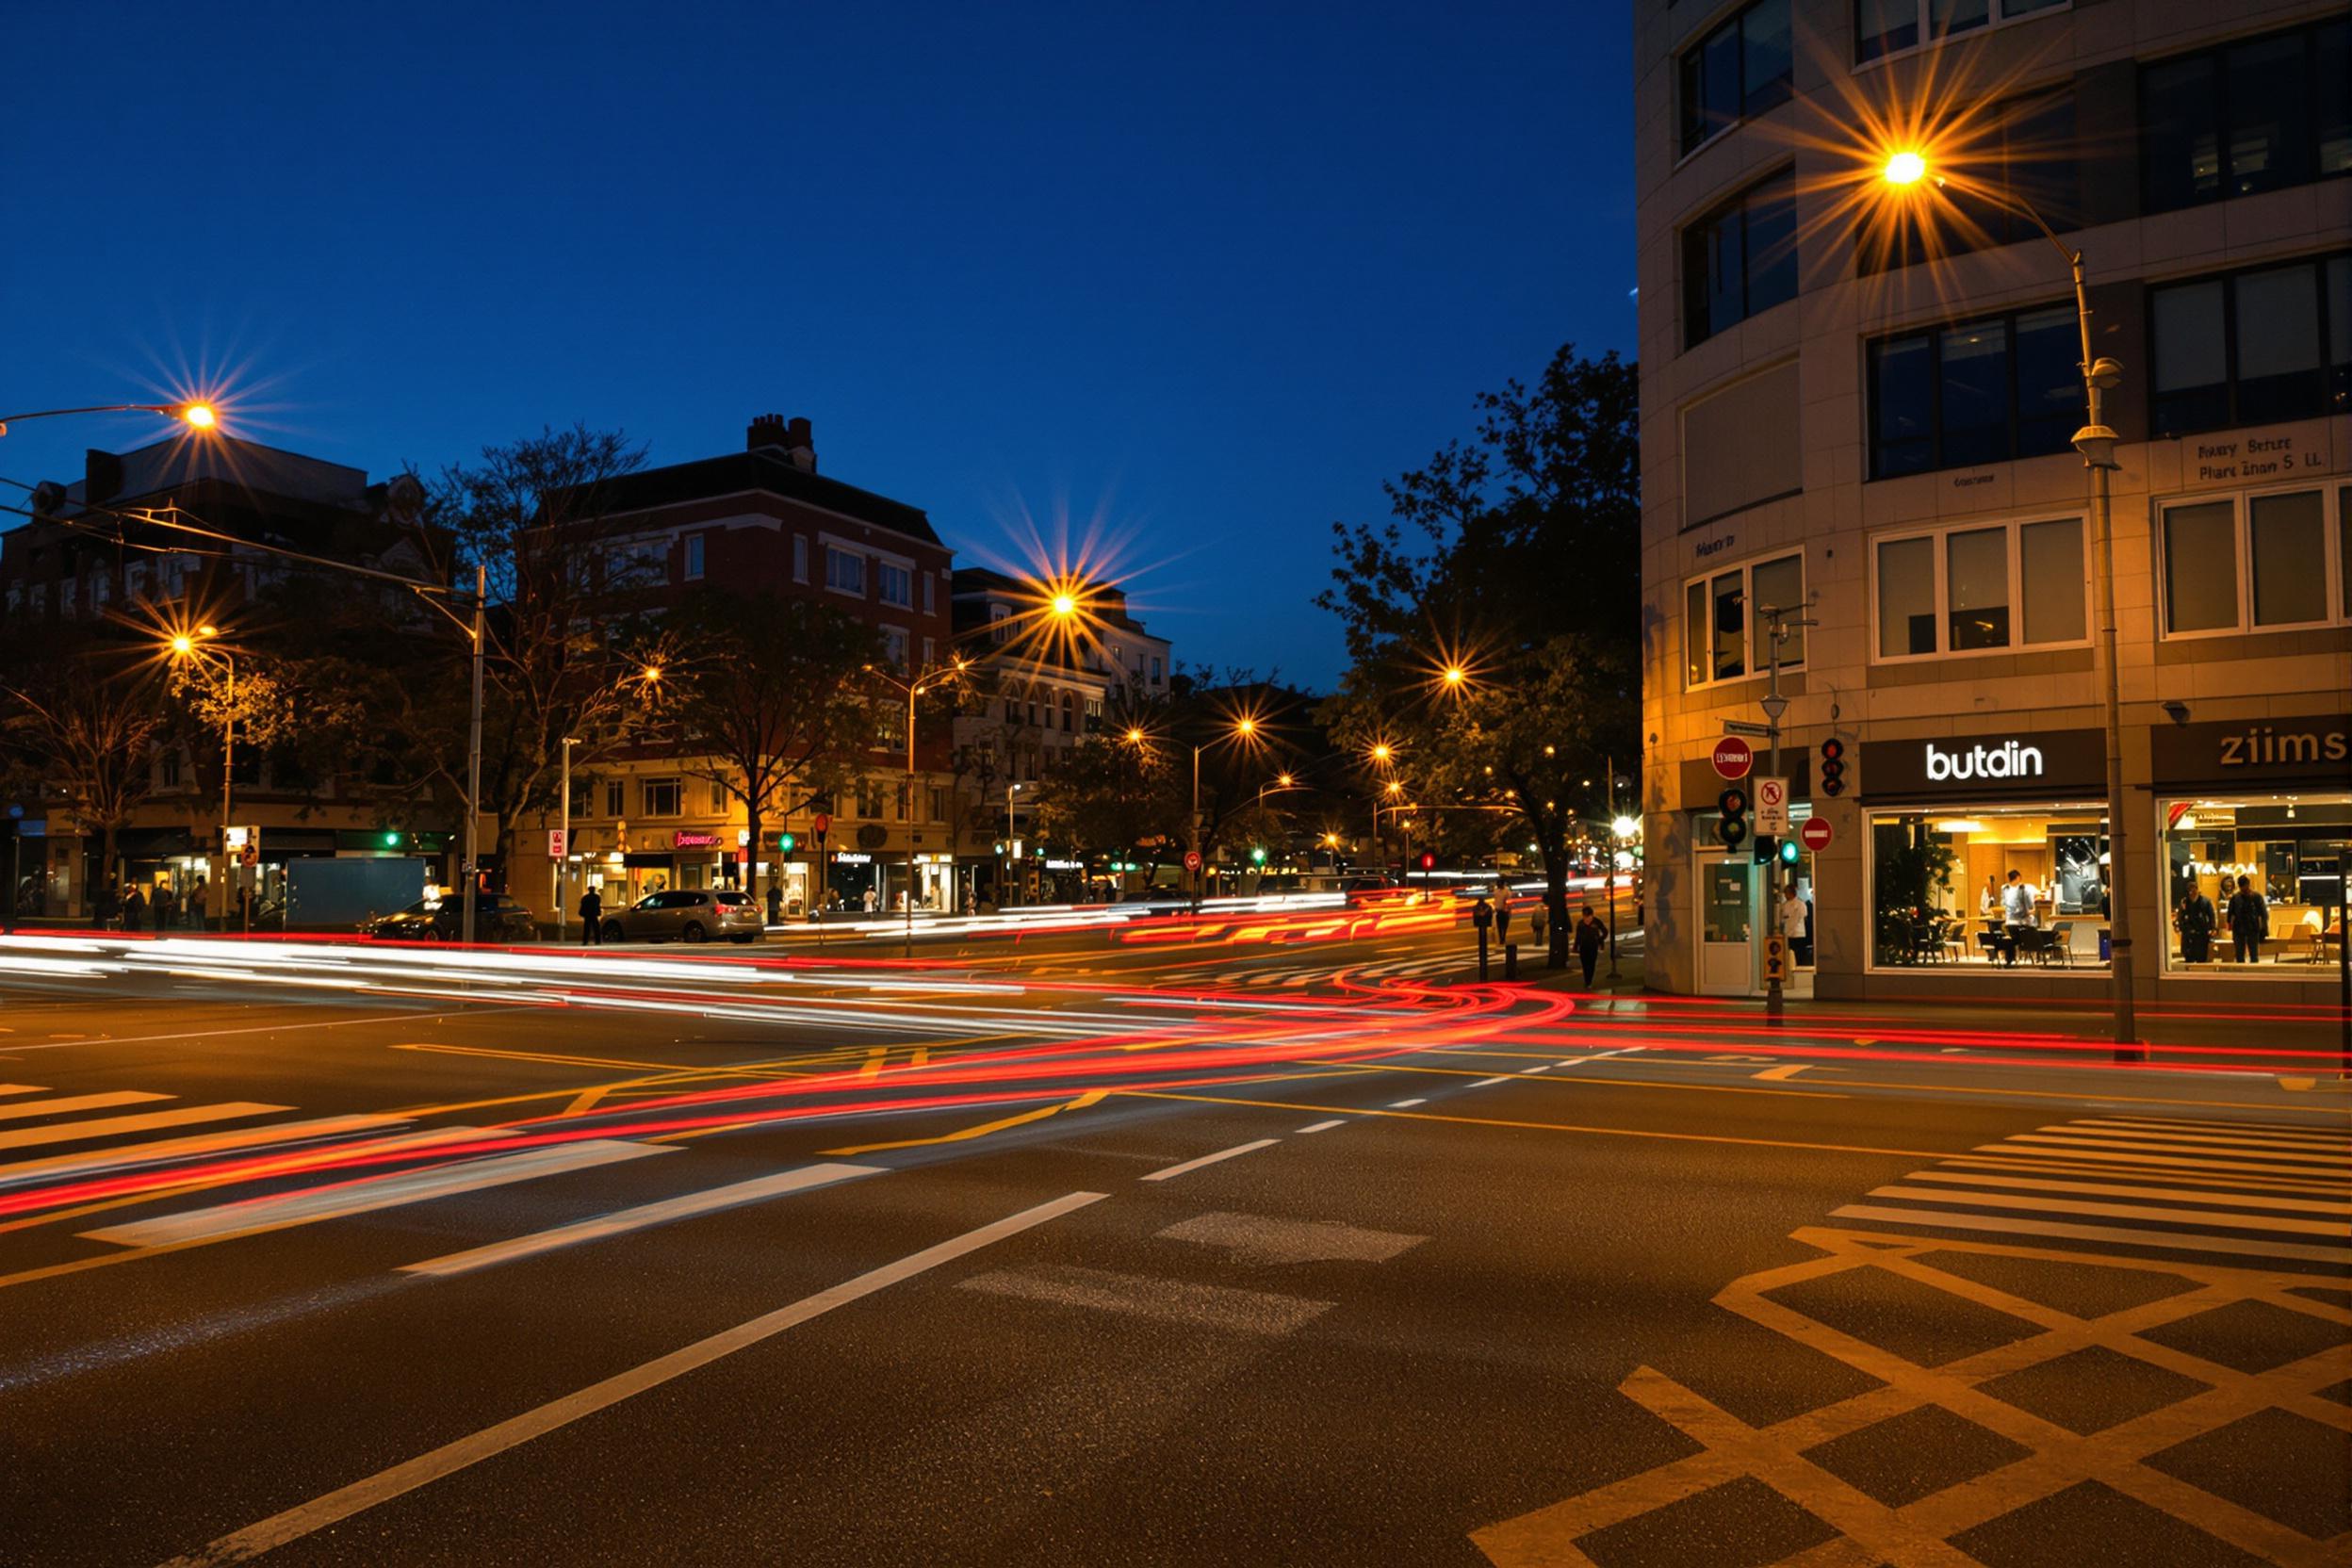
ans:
(929, 679)
(191, 645)
(196, 416)
(1908, 168)
(1244, 729)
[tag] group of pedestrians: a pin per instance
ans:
(2247, 915)
(139, 910)
(1588, 937)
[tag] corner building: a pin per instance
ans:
(1859, 402)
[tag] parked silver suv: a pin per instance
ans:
(687, 915)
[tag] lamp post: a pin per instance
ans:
(190, 645)
(1006, 880)
(928, 679)
(196, 416)
(561, 870)
(1244, 729)
(1908, 168)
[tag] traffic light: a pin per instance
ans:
(1791, 852)
(1428, 861)
(1833, 766)
(1767, 849)
(1733, 803)
(1257, 855)
(392, 841)
(786, 842)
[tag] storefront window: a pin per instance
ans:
(2289, 849)
(1942, 893)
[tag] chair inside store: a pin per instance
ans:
(2060, 942)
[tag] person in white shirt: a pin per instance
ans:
(2017, 911)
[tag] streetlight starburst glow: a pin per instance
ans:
(1905, 168)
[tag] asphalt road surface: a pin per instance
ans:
(1229, 1246)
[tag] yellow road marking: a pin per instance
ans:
(586, 1100)
(1090, 1098)
(874, 1059)
(540, 1056)
(1546, 1126)
(1782, 1074)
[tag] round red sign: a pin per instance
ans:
(1814, 835)
(1192, 860)
(1732, 756)
(820, 824)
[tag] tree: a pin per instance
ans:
(565, 657)
(772, 704)
(82, 719)
(1495, 621)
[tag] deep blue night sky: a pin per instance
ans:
(1207, 274)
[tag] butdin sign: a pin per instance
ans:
(2313, 750)
(2044, 765)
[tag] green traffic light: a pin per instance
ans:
(1258, 856)
(1789, 852)
(391, 841)
(784, 841)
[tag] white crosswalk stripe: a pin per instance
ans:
(2243, 1189)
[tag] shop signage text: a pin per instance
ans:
(852, 858)
(2048, 763)
(2318, 748)
(682, 839)
(1716, 545)
(2005, 759)
(2250, 457)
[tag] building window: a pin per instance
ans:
(694, 558)
(1983, 391)
(844, 571)
(1980, 588)
(1882, 27)
(169, 767)
(1716, 625)
(1155, 671)
(930, 651)
(1741, 259)
(718, 796)
(615, 797)
(930, 584)
(894, 645)
(868, 800)
(800, 559)
(582, 803)
(1940, 890)
(2260, 114)
(1739, 69)
(2252, 348)
(2256, 563)
(661, 797)
(895, 585)
(1000, 623)
(938, 803)
(1069, 714)
(2291, 849)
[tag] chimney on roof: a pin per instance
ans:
(796, 439)
(102, 476)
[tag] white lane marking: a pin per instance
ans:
(1489, 1083)
(1324, 1126)
(2115, 1211)
(316, 1514)
(1405, 1104)
(1211, 1159)
(2185, 1241)
(1269, 1242)
(2168, 1124)
(2109, 1189)
(1222, 1307)
(624, 1220)
(108, 1126)
(164, 1149)
(2231, 1180)
(2210, 1143)
(2163, 1145)
(2014, 1149)
(1545, 1068)
(254, 1215)
(79, 1102)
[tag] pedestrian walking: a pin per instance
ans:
(194, 906)
(133, 909)
(163, 906)
(2249, 921)
(2195, 920)
(1796, 925)
(592, 919)
(1502, 919)
(1591, 934)
(108, 906)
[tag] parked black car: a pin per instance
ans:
(497, 919)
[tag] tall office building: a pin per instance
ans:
(1859, 402)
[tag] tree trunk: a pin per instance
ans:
(1556, 898)
(751, 865)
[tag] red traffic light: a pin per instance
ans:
(1428, 861)
(1833, 766)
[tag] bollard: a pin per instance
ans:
(1511, 960)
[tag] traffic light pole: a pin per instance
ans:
(1773, 997)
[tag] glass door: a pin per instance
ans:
(1727, 917)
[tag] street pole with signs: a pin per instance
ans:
(1781, 624)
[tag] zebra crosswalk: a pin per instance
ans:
(1298, 976)
(2269, 1190)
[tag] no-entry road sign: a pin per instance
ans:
(1814, 835)
(1192, 860)
(1732, 756)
